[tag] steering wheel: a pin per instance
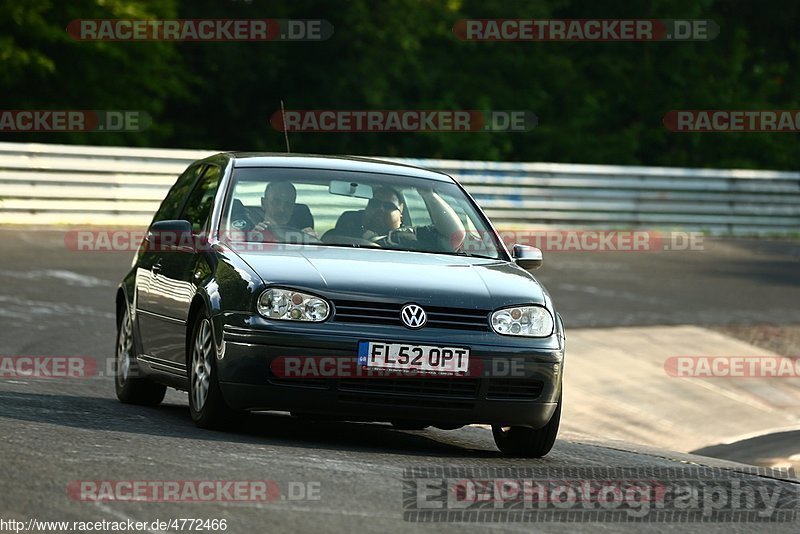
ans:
(339, 239)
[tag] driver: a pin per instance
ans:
(382, 222)
(280, 209)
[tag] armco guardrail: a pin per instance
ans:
(47, 184)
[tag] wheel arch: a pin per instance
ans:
(121, 302)
(195, 309)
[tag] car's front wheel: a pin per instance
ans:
(206, 403)
(132, 389)
(528, 442)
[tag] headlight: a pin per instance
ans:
(532, 321)
(288, 305)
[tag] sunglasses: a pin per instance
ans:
(374, 203)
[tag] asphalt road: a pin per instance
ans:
(56, 431)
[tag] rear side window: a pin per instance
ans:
(198, 207)
(172, 204)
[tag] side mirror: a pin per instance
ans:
(171, 235)
(529, 258)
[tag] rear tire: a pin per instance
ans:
(528, 442)
(207, 406)
(132, 389)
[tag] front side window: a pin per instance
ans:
(171, 206)
(198, 206)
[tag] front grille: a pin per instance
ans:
(411, 402)
(465, 388)
(514, 389)
(422, 392)
(387, 313)
(366, 312)
(302, 382)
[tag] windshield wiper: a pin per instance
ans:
(470, 255)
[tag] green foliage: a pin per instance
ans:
(596, 102)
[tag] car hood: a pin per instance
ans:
(385, 275)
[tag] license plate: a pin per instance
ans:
(405, 357)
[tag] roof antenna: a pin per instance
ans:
(285, 128)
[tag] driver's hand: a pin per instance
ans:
(263, 225)
(401, 236)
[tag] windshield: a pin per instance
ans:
(353, 209)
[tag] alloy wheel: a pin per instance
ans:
(201, 364)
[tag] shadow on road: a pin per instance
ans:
(95, 413)
(767, 450)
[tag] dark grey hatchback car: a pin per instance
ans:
(340, 288)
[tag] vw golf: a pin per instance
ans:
(341, 288)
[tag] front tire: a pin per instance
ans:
(130, 388)
(528, 442)
(207, 406)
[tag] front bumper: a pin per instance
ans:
(528, 397)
